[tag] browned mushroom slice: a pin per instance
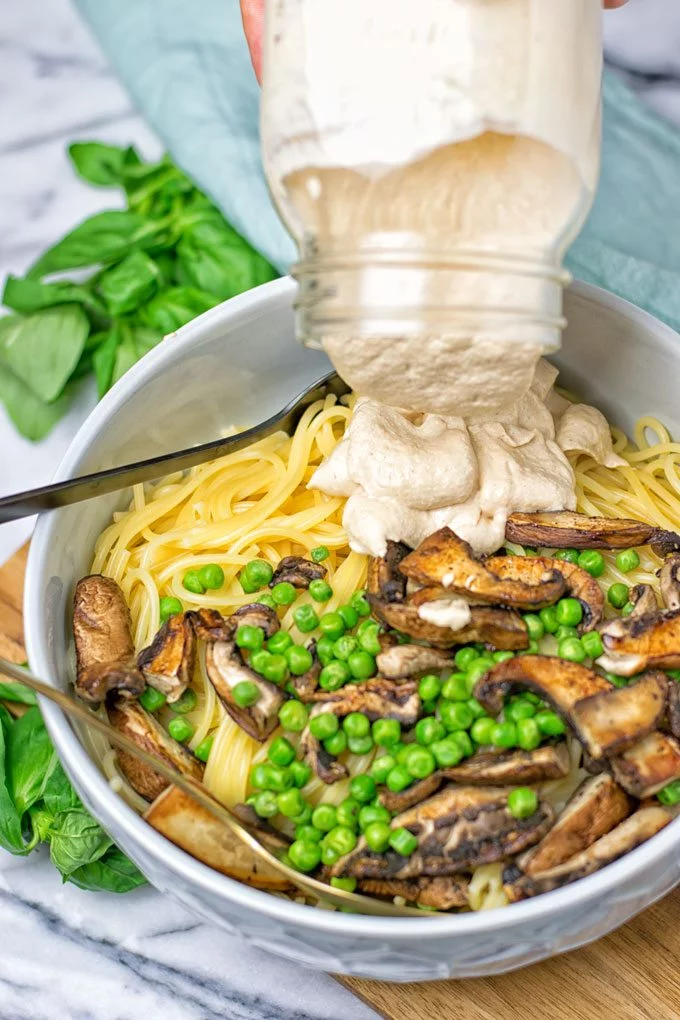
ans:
(210, 625)
(298, 571)
(488, 768)
(558, 681)
(643, 600)
(674, 707)
(306, 684)
(633, 831)
(225, 668)
(632, 645)
(188, 825)
(458, 829)
(565, 529)
(648, 766)
(446, 559)
(168, 662)
(129, 718)
(501, 628)
(611, 721)
(436, 893)
(399, 662)
(274, 838)
(385, 580)
(578, 582)
(594, 809)
(256, 615)
(669, 582)
(324, 765)
(105, 654)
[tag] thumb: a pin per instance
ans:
(252, 13)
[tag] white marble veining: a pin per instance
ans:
(74, 955)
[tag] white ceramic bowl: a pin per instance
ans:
(237, 364)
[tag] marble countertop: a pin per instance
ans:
(89, 956)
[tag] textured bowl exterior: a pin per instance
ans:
(236, 364)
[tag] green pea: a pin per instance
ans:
(320, 590)
(617, 595)
(362, 788)
(266, 804)
(334, 676)
(502, 656)
(279, 778)
(249, 637)
(522, 802)
(211, 576)
(398, 778)
(627, 560)
(428, 730)
(325, 817)
(476, 671)
(571, 649)
(478, 710)
(528, 734)
(447, 752)
(180, 729)
(360, 603)
(278, 643)
(265, 600)
(344, 647)
(481, 730)
(293, 716)
(304, 856)
(382, 766)
(377, 836)
(566, 632)
(519, 709)
(370, 813)
(463, 740)
(320, 553)
(504, 735)
(592, 644)
(336, 744)
(369, 639)
(401, 752)
(569, 612)
(258, 572)
(323, 725)
(308, 833)
(534, 626)
(356, 725)
(548, 617)
(329, 855)
(465, 657)
(421, 762)
(202, 750)
(670, 794)
(169, 606)
(567, 555)
(192, 582)
(348, 811)
(455, 715)
(325, 650)
(592, 561)
(361, 664)
(284, 593)
(549, 723)
(386, 732)
(456, 688)
(347, 884)
(281, 751)
(290, 803)
(275, 669)
(186, 702)
(628, 609)
(429, 707)
(360, 745)
(299, 659)
(305, 619)
(332, 625)
(245, 693)
(349, 616)
(301, 773)
(403, 842)
(259, 776)
(429, 687)
(618, 681)
(151, 699)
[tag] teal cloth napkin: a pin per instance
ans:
(186, 64)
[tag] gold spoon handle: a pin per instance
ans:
(310, 886)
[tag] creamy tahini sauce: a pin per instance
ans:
(407, 475)
(453, 612)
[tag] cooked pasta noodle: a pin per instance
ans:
(255, 503)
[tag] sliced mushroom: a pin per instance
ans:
(577, 582)
(565, 529)
(611, 721)
(129, 718)
(225, 668)
(458, 829)
(274, 838)
(398, 662)
(168, 662)
(255, 615)
(445, 559)
(488, 768)
(674, 707)
(324, 765)
(594, 809)
(298, 571)
(188, 825)
(669, 581)
(501, 628)
(385, 580)
(306, 684)
(436, 893)
(558, 681)
(633, 831)
(209, 625)
(105, 653)
(648, 766)
(643, 599)
(641, 642)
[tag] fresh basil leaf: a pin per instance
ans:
(114, 872)
(76, 839)
(146, 339)
(32, 417)
(104, 360)
(216, 259)
(147, 183)
(99, 240)
(31, 295)
(101, 164)
(41, 820)
(174, 307)
(126, 355)
(12, 690)
(30, 760)
(43, 349)
(58, 794)
(127, 285)
(11, 837)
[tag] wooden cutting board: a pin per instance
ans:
(633, 974)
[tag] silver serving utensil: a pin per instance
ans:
(308, 885)
(74, 490)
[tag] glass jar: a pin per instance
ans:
(432, 159)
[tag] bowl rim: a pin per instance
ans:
(238, 310)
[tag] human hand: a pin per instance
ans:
(252, 12)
